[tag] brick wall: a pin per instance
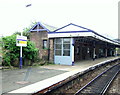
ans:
(37, 38)
(51, 50)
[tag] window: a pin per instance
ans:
(58, 47)
(62, 46)
(44, 44)
(66, 47)
(66, 53)
(58, 41)
(66, 40)
(58, 52)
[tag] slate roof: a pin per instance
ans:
(46, 27)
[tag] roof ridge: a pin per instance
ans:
(48, 27)
(73, 25)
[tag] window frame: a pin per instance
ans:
(58, 43)
(45, 42)
(62, 43)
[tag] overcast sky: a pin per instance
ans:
(98, 15)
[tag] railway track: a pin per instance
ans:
(94, 81)
(100, 83)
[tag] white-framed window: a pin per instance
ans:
(58, 47)
(62, 46)
(66, 46)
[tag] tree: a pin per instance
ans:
(26, 30)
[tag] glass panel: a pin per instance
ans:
(66, 40)
(58, 52)
(66, 53)
(44, 44)
(58, 46)
(58, 41)
(66, 46)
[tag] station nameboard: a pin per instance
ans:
(21, 40)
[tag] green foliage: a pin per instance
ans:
(9, 49)
(30, 52)
(0, 46)
(26, 30)
(12, 52)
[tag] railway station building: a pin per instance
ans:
(71, 43)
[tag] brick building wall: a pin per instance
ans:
(51, 55)
(37, 38)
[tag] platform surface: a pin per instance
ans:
(37, 78)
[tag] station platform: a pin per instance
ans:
(80, 65)
(66, 71)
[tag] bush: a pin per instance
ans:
(11, 52)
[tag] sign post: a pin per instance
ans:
(21, 41)
(20, 57)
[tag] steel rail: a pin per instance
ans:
(109, 83)
(103, 91)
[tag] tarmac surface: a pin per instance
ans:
(15, 79)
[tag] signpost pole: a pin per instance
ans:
(22, 42)
(21, 61)
(21, 55)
